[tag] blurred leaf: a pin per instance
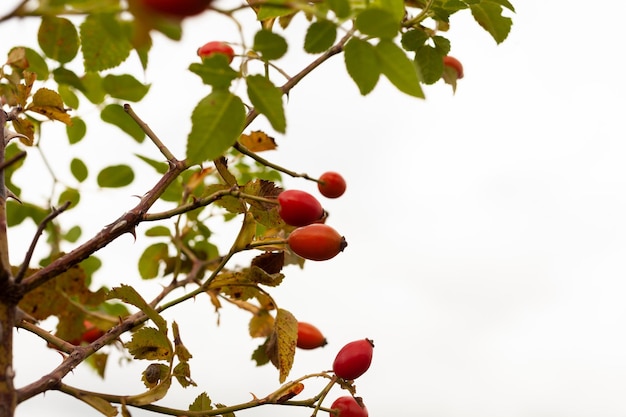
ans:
(395, 7)
(105, 44)
(261, 324)
(378, 23)
(73, 234)
(76, 131)
(341, 8)
(116, 176)
(267, 100)
(63, 75)
(269, 44)
(151, 259)
(115, 115)
(58, 38)
(182, 373)
(398, 68)
(181, 351)
(69, 194)
(100, 404)
(159, 166)
(37, 64)
(79, 169)
(414, 39)
(92, 87)
(260, 355)
(488, 14)
(49, 103)
(25, 127)
(362, 64)
(158, 231)
(269, 11)
(215, 71)
(217, 122)
(430, 63)
(129, 295)
(68, 96)
(124, 87)
(320, 36)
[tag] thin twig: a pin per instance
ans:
(29, 254)
(153, 137)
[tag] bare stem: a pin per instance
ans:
(153, 137)
(29, 254)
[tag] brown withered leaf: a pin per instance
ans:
(258, 141)
(270, 262)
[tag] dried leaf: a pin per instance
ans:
(258, 141)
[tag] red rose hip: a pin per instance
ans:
(331, 184)
(348, 406)
(299, 208)
(317, 242)
(354, 359)
(309, 336)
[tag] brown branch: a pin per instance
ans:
(126, 223)
(29, 254)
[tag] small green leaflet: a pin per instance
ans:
(269, 44)
(362, 64)
(320, 36)
(379, 23)
(398, 68)
(216, 124)
(115, 114)
(115, 176)
(105, 42)
(58, 38)
(267, 100)
(488, 14)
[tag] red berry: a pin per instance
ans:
(354, 359)
(331, 185)
(91, 332)
(178, 8)
(347, 406)
(309, 336)
(317, 242)
(299, 208)
(454, 63)
(216, 47)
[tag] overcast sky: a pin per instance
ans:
(486, 229)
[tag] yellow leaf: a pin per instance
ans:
(286, 328)
(258, 141)
(26, 128)
(49, 103)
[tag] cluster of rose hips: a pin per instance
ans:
(312, 239)
(352, 361)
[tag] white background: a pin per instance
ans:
(486, 229)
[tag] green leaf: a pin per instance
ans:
(268, 100)
(398, 68)
(201, 403)
(267, 11)
(159, 166)
(129, 295)
(378, 23)
(124, 87)
(151, 344)
(488, 14)
(79, 169)
(362, 64)
(320, 36)
(115, 176)
(341, 8)
(286, 328)
(115, 115)
(158, 231)
(37, 64)
(395, 7)
(215, 71)
(269, 44)
(216, 124)
(92, 87)
(63, 75)
(69, 194)
(73, 234)
(430, 62)
(58, 38)
(414, 39)
(151, 259)
(105, 44)
(68, 96)
(76, 131)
